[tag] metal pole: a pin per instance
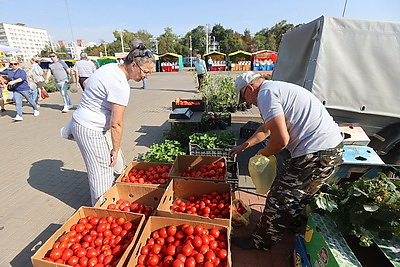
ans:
(69, 19)
(190, 49)
(206, 38)
(122, 42)
(344, 9)
(105, 49)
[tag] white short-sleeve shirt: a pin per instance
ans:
(311, 128)
(106, 86)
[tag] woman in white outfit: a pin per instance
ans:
(101, 109)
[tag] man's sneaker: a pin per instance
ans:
(70, 106)
(36, 113)
(17, 118)
(65, 110)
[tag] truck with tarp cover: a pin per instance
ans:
(352, 66)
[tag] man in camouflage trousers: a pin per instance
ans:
(295, 120)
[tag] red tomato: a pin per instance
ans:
(156, 249)
(190, 262)
(213, 245)
(198, 229)
(56, 253)
(168, 260)
(210, 256)
(187, 250)
(197, 242)
(153, 260)
(215, 233)
(178, 263)
(73, 260)
(83, 261)
(199, 258)
(189, 230)
(163, 232)
(222, 254)
(94, 221)
(171, 250)
(67, 254)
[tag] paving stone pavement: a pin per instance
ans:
(43, 177)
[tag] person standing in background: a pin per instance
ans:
(144, 84)
(60, 72)
(201, 69)
(83, 69)
(17, 79)
(37, 72)
(210, 63)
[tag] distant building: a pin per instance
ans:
(29, 40)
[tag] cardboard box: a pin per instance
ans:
(143, 166)
(155, 223)
(325, 244)
(182, 162)
(81, 213)
(144, 195)
(183, 189)
(354, 134)
(356, 159)
(301, 257)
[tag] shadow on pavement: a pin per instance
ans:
(151, 134)
(69, 186)
(24, 257)
(52, 106)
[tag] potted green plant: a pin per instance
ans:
(220, 93)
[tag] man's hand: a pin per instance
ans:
(237, 149)
(113, 156)
(46, 81)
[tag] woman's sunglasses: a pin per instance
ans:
(146, 54)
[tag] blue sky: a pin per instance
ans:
(96, 20)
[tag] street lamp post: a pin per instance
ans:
(122, 41)
(190, 49)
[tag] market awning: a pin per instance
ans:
(214, 52)
(6, 49)
(170, 54)
(240, 52)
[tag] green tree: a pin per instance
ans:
(198, 40)
(167, 41)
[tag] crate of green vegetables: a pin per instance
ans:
(214, 144)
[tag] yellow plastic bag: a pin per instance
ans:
(240, 213)
(262, 171)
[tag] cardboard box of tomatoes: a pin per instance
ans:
(151, 174)
(189, 235)
(204, 201)
(205, 168)
(132, 198)
(63, 236)
(192, 104)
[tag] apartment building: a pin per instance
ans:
(29, 40)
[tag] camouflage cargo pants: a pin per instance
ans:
(292, 191)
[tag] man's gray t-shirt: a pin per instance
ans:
(310, 126)
(59, 70)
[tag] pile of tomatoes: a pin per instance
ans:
(214, 205)
(214, 171)
(185, 246)
(154, 175)
(125, 205)
(188, 103)
(92, 241)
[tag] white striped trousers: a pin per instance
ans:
(96, 153)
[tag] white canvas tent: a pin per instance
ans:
(7, 49)
(351, 65)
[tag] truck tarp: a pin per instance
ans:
(349, 64)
